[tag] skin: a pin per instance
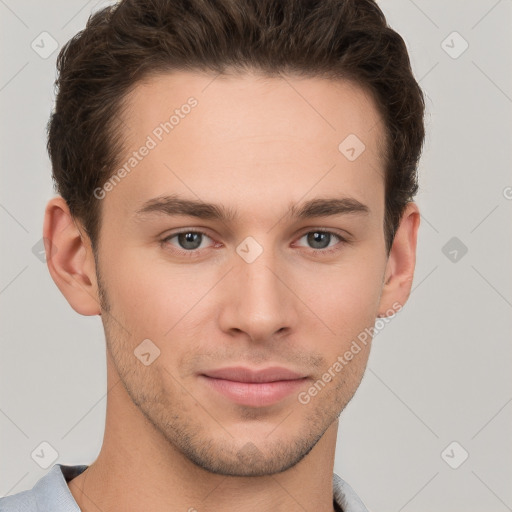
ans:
(255, 145)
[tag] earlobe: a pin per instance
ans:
(70, 259)
(401, 263)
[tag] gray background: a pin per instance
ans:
(438, 373)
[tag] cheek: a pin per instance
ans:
(144, 297)
(345, 300)
(348, 293)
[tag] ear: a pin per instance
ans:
(401, 262)
(70, 258)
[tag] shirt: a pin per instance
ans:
(51, 494)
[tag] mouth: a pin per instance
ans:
(254, 388)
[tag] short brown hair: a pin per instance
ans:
(123, 43)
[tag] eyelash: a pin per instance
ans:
(196, 252)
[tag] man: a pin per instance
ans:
(235, 200)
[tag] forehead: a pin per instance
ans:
(251, 104)
(251, 135)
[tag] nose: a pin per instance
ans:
(257, 299)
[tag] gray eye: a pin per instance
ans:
(189, 240)
(319, 239)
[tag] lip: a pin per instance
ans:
(255, 388)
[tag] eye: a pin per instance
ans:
(186, 241)
(320, 240)
(189, 242)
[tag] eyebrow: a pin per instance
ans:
(319, 207)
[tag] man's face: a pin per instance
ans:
(263, 289)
